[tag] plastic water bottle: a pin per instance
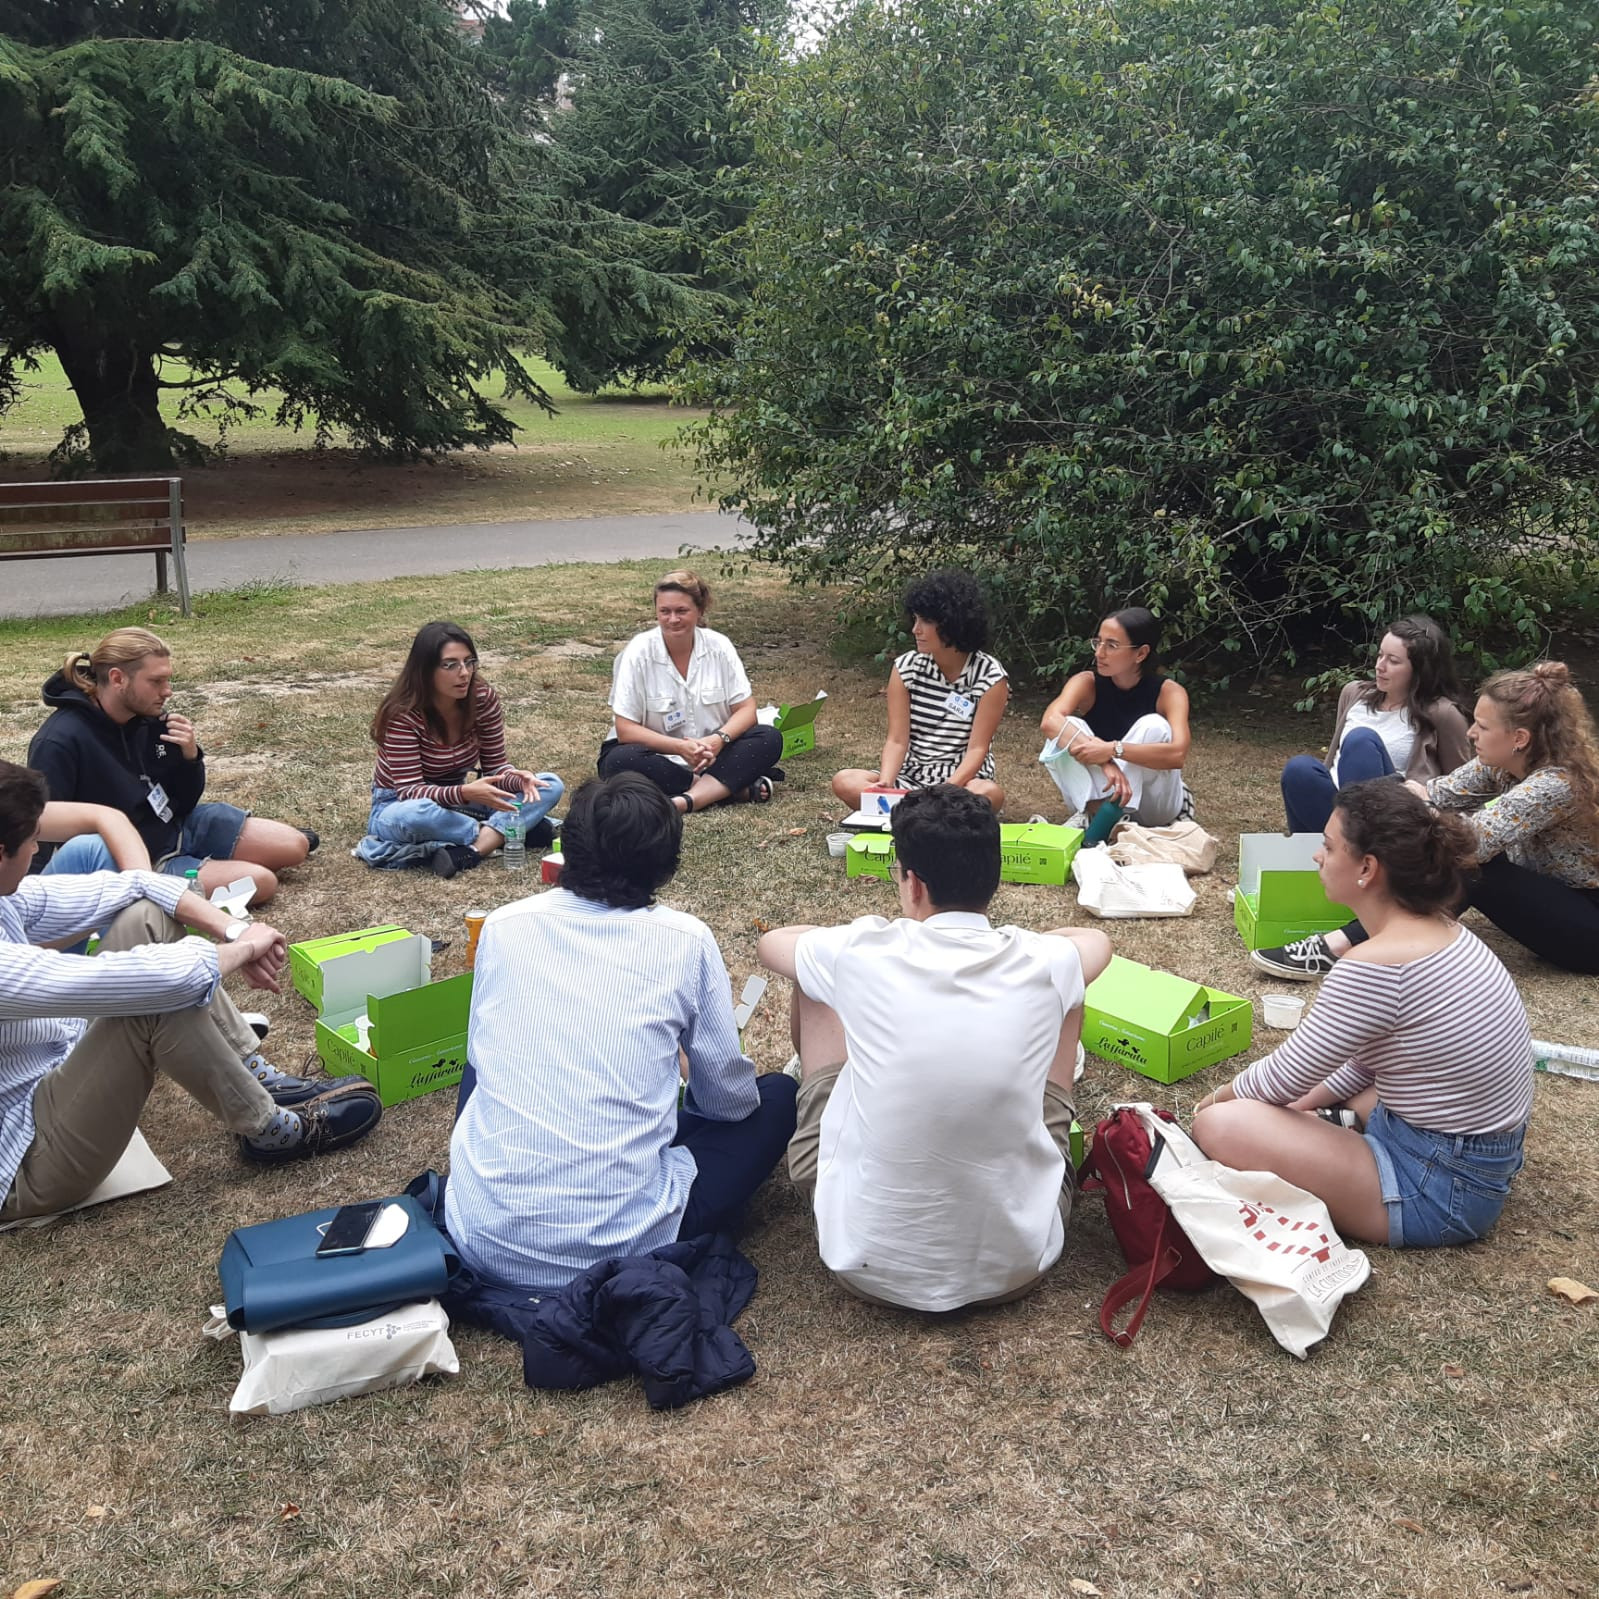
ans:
(515, 841)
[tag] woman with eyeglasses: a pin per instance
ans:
(440, 721)
(1120, 732)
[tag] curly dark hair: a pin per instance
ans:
(621, 840)
(951, 600)
(949, 837)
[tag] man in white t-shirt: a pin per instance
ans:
(936, 1057)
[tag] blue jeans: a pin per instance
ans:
(210, 832)
(1440, 1188)
(731, 1159)
(406, 832)
(1309, 792)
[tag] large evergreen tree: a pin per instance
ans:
(322, 198)
(636, 99)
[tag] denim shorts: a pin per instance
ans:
(1440, 1188)
(210, 833)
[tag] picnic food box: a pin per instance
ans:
(306, 959)
(414, 1029)
(797, 723)
(1029, 852)
(1160, 1025)
(1279, 896)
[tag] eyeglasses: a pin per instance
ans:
(1108, 645)
(457, 664)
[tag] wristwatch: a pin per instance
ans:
(234, 931)
(724, 738)
(1117, 746)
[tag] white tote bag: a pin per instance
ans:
(1108, 890)
(1271, 1240)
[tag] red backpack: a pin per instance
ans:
(1157, 1249)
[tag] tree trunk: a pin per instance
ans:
(115, 382)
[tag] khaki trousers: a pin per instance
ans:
(85, 1111)
(804, 1149)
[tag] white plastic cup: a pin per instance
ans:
(1282, 1011)
(838, 845)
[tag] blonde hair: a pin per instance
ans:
(1544, 702)
(689, 583)
(123, 649)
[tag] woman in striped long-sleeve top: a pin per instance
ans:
(1403, 1099)
(439, 722)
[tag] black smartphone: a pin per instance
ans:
(347, 1233)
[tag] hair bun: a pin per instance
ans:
(1553, 674)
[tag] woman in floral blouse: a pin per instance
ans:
(1531, 796)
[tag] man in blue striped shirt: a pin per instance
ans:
(81, 1038)
(571, 1148)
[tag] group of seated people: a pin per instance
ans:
(609, 1107)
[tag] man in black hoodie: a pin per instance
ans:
(109, 740)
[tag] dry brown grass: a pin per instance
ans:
(1442, 1442)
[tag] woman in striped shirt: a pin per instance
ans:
(945, 697)
(439, 721)
(1403, 1099)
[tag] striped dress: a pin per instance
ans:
(1444, 1039)
(413, 763)
(940, 730)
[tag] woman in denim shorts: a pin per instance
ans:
(1403, 1098)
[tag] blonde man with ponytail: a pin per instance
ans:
(110, 740)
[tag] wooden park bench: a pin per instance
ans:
(97, 516)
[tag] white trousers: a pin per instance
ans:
(1157, 795)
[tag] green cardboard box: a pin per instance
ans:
(1160, 1025)
(1279, 896)
(869, 855)
(1037, 852)
(1029, 852)
(797, 724)
(306, 959)
(418, 1031)
(1075, 1139)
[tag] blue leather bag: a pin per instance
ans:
(272, 1278)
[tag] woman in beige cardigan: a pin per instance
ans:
(1404, 719)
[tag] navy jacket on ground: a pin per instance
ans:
(665, 1315)
(87, 757)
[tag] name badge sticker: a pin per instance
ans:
(159, 803)
(673, 719)
(958, 705)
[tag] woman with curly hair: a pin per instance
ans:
(945, 697)
(1531, 800)
(1402, 1100)
(439, 721)
(1119, 732)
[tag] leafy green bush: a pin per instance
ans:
(1281, 319)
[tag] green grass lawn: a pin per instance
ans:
(1440, 1443)
(610, 453)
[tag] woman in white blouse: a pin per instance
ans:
(684, 709)
(1405, 718)
(1403, 1098)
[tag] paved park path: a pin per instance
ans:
(104, 582)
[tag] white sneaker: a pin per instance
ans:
(1079, 820)
(1082, 1063)
(792, 1069)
